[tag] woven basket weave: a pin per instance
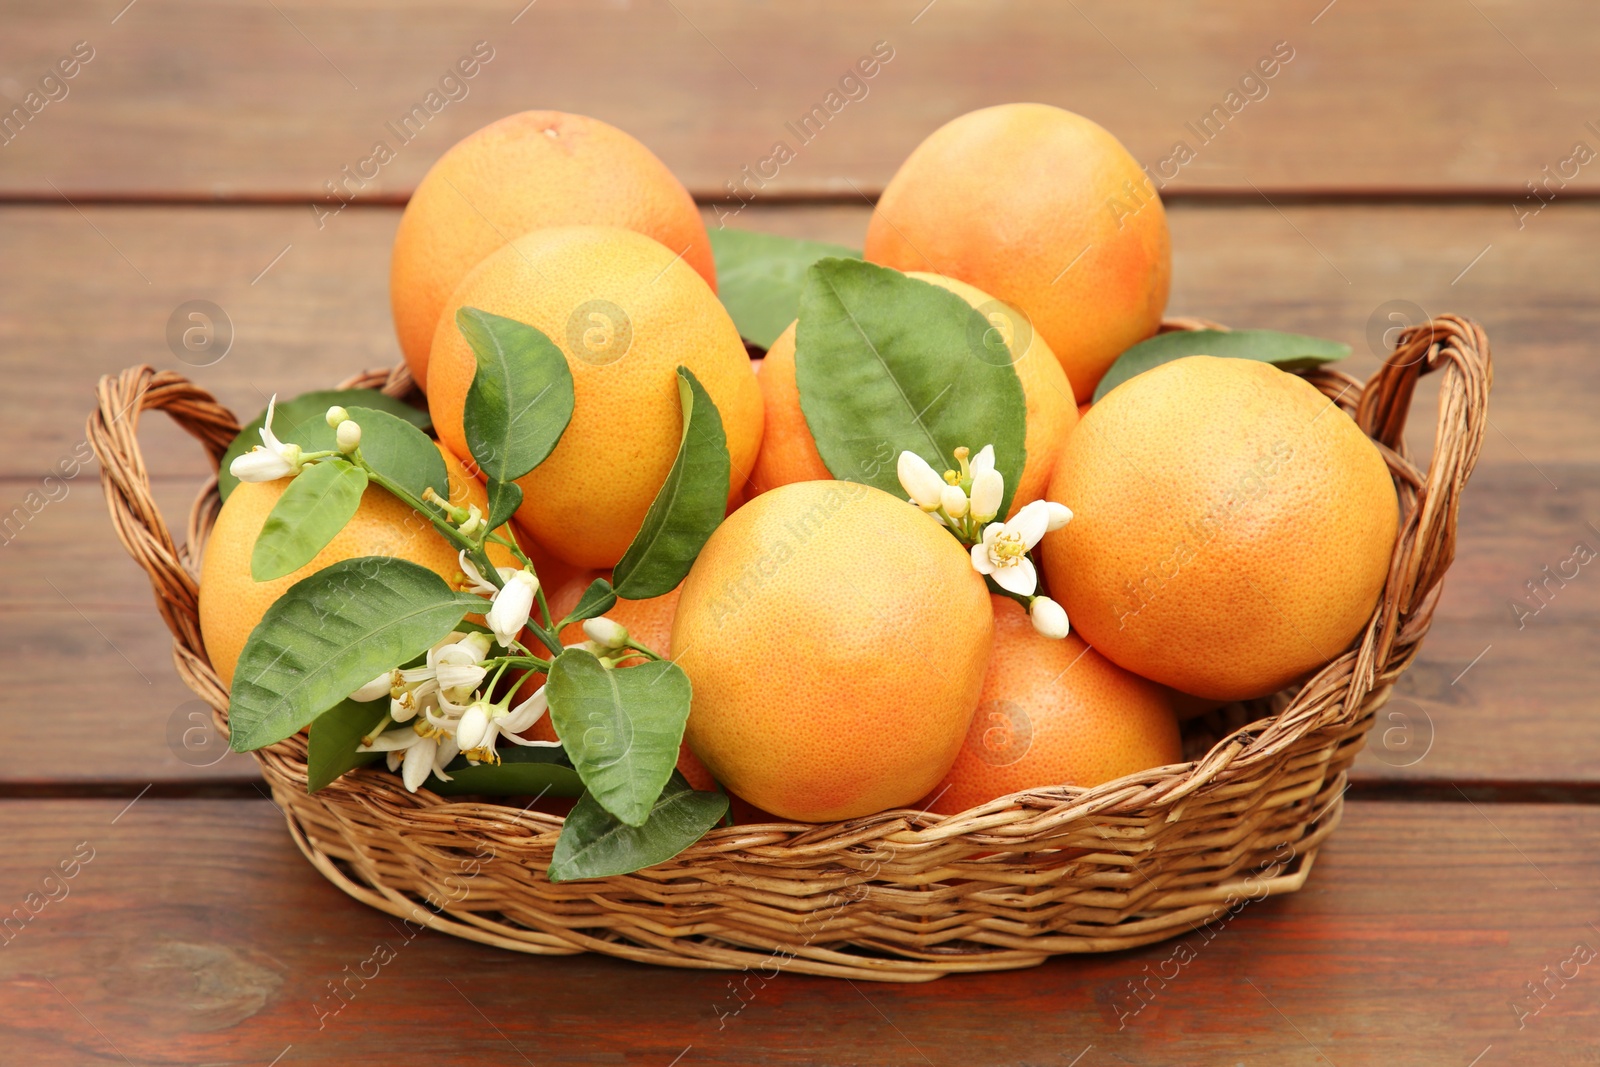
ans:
(900, 895)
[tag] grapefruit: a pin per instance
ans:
(836, 639)
(1045, 210)
(789, 453)
(1054, 713)
(232, 603)
(626, 312)
(525, 172)
(1232, 527)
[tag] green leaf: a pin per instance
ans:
(335, 743)
(596, 844)
(401, 452)
(302, 420)
(759, 278)
(521, 396)
(330, 634)
(1291, 351)
(598, 599)
(309, 514)
(521, 772)
(689, 506)
(621, 727)
(886, 363)
(504, 500)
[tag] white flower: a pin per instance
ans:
(1003, 552)
(1049, 618)
(512, 605)
(347, 436)
(920, 481)
(1060, 515)
(473, 726)
(416, 752)
(335, 416)
(454, 668)
(605, 632)
(459, 668)
(270, 460)
(954, 501)
(381, 686)
(476, 582)
(483, 723)
(988, 485)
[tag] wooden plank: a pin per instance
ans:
(200, 100)
(1521, 714)
(195, 934)
(95, 292)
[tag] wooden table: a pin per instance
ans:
(1384, 174)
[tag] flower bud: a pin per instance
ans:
(606, 632)
(988, 486)
(1049, 618)
(262, 465)
(378, 687)
(473, 726)
(983, 461)
(920, 481)
(512, 605)
(335, 416)
(954, 501)
(348, 435)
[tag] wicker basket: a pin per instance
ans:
(901, 895)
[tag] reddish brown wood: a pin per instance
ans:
(1521, 714)
(197, 935)
(73, 308)
(273, 100)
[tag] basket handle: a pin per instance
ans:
(113, 434)
(1430, 502)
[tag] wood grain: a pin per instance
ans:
(196, 934)
(97, 288)
(204, 100)
(74, 309)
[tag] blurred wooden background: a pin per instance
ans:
(1442, 155)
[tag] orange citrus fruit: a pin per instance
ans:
(526, 172)
(836, 639)
(626, 312)
(232, 603)
(789, 453)
(1045, 210)
(1232, 527)
(1054, 713)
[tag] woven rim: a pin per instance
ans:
(898, 895)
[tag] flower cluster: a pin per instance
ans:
(273, 459)
(437, 711)
(442, 708)
(967, 501)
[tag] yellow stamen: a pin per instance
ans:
(1007, 549)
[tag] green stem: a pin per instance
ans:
(533, 663)
(546, 638)
(473, 548)
(516, 549)
(645, 652)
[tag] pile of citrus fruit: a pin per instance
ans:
(983, 528)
